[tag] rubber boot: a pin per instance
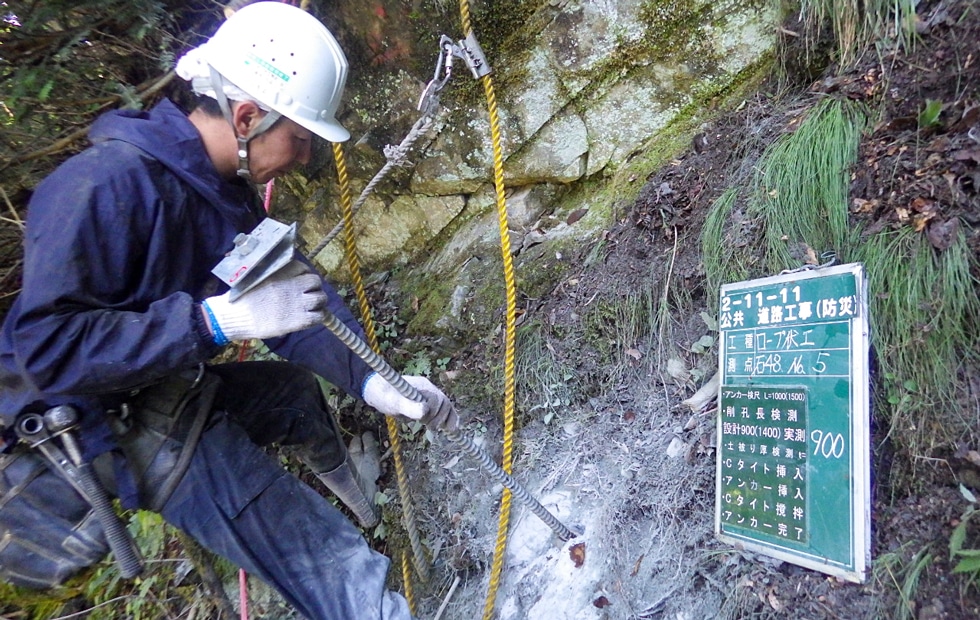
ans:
(344, 483)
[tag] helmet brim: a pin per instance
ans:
(331, 130)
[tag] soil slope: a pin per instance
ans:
(632, 467)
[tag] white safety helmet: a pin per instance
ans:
(287, 60)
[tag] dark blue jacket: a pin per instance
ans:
(120, 244)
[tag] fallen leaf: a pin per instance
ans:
(942, 234)
(451, 462)
(636, 566)
(919, 221)
(575, 216)
(677, 448)
(706, 394)
(860, 205)
(775, 603)
(924, 205)
(601, 602)
(678, 370)
(966, 155)
(577, 553)
(970, 116)
(811, 256)
(710, 321)
(703, 344)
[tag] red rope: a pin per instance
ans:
(243, 593)
(242, 354)
(268, 194)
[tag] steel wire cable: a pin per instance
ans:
(396, 156)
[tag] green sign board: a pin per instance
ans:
(793, 470)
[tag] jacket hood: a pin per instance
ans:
(165, 133)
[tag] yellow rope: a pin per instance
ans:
(510, 330)
(408, 514)
(407, 580)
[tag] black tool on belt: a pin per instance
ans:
(45, 433)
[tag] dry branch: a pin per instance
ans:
(62, 144)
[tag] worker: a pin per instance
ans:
(120, 315)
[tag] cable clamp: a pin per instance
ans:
(470, 51)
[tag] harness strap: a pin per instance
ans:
(190, 443)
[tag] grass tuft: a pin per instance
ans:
(923, 317)
(858, 23)
(722, 262)
(546, 386)
(800, 189)
(797, 201)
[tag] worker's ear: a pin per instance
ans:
(245, 115)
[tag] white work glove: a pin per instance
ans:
(287, 301)
(437, 411)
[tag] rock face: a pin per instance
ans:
(582, 88)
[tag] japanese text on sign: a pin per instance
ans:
(777, 333)
(763, 466)
(783, 306)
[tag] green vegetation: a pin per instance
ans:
(797, 198)
(163, 590)
(722, 262)
(62, 63)
(897, 571)
(967, 558)
(796, 201)
(860, 24)
(923, 322)
(554, 382)
(800, 191)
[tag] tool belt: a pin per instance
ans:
(49, 530)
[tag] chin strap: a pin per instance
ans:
(267, 121)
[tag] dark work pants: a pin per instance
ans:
(239, 502)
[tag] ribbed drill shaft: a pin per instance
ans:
(379, 365)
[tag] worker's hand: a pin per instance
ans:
(287, 301)
(437, 411)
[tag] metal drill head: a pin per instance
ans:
(60, 418)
